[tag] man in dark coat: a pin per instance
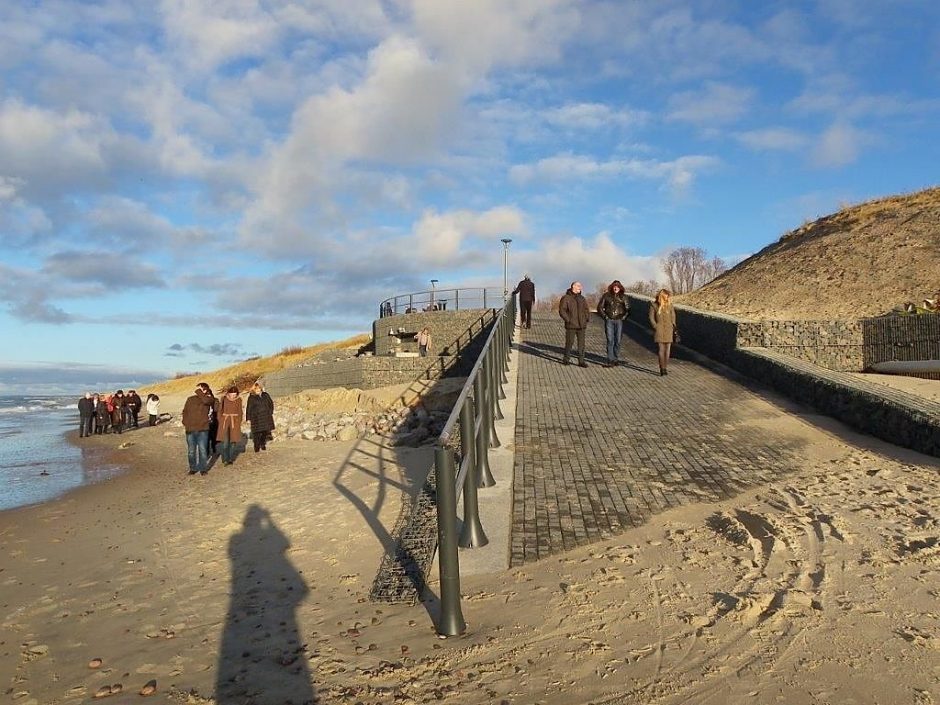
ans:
(526, 291)
(613, 308)
(132, 402)
(86, 414)
(574, 311)
(196, 422)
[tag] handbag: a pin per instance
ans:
(676, 338)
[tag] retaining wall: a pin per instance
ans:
(447, 328)
(835, 345)
(808, 361)
(457, 343)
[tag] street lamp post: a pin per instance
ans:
(506, 241)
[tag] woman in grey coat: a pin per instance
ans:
(663, 321)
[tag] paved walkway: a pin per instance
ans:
(600, 450)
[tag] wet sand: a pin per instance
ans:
(250, 585)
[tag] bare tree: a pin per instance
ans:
(688, 268)
(547, 303)
(648, 288)
(713, 269)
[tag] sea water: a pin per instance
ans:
(37, 462)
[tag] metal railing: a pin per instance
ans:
(442, 300)
(461, 462)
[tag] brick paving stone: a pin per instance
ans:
(601, 450)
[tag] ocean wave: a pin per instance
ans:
(32, 408)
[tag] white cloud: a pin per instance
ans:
(839, 145)
(677, 174)
(479, 35)
(50, 151)
(593, 116)
(439, 238)
(717, 103)
(212, 33)
(773, 139)
(400, 114)
(559, 260)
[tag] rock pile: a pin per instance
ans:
(407, 426)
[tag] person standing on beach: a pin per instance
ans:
(134, 404)
(153, 409)
(259, 412)
(117, 412)
(228, 410)
(103, 413)
(526, 291)
(574, 311)
(86, 414)
(195, 419)
(613, 308)
(663, 321)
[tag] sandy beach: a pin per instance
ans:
(251, 585)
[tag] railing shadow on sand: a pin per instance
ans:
(410, 545)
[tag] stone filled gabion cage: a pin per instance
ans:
(903, 339)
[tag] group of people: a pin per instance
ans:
(613, 307)
(113, 413)
(214, 425)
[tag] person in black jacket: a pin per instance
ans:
(613, 308)
(133, 403)
(86, 415)
(574, 311)
(259, 412)
(526, 291)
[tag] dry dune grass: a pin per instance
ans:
(861, 261)
(243, 374)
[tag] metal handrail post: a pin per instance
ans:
(501, 358)
(498, 393)
(451, 620)
(509, 326)
(482, 456)
(472, 534)
(489, 415)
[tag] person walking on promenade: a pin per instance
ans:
(259, 412)
(663, 321)
(424, 341)
(526, 291)
(195, 419)
(103, 414)
(153, 409)
(613, 308)
(117, 412)
(228, 410)
(574, 311)
(86, 414)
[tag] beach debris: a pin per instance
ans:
(116, 688)
(150, 687)
(38, 650)
(95, 663)
(125, 444)
(103, 692)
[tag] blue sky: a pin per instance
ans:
(184, 183)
